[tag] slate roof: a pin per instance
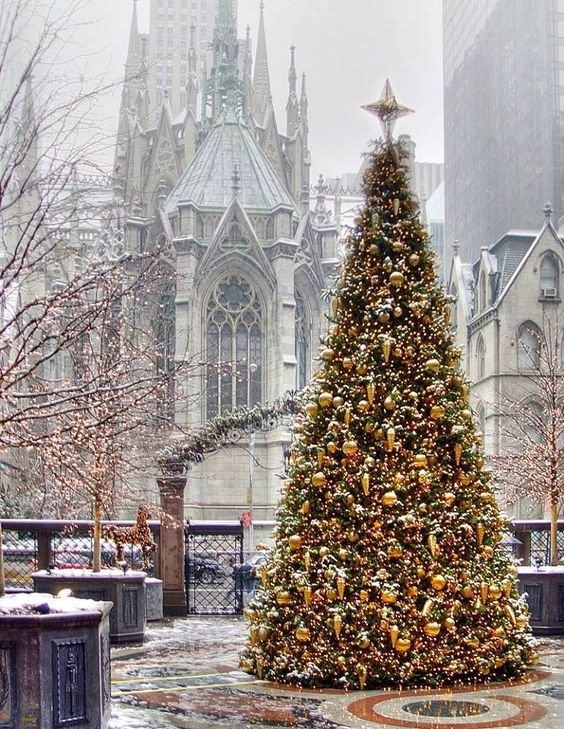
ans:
(510, 251)
(208, 180)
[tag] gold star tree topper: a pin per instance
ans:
(388, 110)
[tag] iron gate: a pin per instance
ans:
(214, 553)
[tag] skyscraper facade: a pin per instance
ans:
(504, 116)
(176, 26)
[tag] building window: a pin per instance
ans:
(480, 358)
(302, 343)
(549, 274)
(483, 292)
(528, 349)
(234, 346)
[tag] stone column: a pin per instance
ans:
(171, 488)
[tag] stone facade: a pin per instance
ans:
(226, 196)
(512, 291)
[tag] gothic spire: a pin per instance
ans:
(292, 106)
(261, 79)
(304, 105)
(192, 82)
(224, 87)
(134, 47)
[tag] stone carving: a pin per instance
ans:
(70, 682)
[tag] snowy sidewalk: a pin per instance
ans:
(186, 676)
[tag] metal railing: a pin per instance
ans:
(534, 538)
(35, 544)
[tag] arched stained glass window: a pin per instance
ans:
(528, 350)
(234, 346)
(302, 343)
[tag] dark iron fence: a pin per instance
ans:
(34, 544)
(213, 559)
(534, 540)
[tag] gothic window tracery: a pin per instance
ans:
(234, 346)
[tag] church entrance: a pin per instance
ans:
(213, 569)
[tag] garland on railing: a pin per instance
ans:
(225, 430)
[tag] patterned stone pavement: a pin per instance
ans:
(186, 676)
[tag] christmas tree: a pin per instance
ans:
(387, 567)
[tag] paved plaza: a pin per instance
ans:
(186, 675)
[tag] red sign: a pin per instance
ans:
(246, 519)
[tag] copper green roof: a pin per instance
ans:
(208, 180)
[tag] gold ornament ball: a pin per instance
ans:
(323, 551)
(438, 412)
(311, 409)
(303, 634)
(332, 447)
(397, 279)
(403, 645)
(467, 592)
(350, 447)
(494, 592)
(338, 401)
(373, 249)
(383, 317)
(319, 479)
(390, 403)
(398, 311)
(414, 259)
(433, 365)
(389, 597)
(420, 460)
(363, 406)
(438, 582)
(363, 595)
(295, 542)
(348, 364)
(352, 537)
(432, 629)
(325, 399)
(327, 354)
(389, 498)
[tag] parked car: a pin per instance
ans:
(203, 569)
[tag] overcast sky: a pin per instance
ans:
(347, 48)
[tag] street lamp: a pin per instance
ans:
(253, 367)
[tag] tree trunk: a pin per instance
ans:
(97, 546)
(2, 578)
(554, 531)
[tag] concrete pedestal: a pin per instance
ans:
(55, 670)
(126, 592)
(154, 598)
(545, 597)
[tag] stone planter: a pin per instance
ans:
(126, 592)
(55, 667)
(154, 598)
(545, 597)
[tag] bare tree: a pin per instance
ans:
(86, 373)
(532, 423)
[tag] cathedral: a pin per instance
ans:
(204, 172)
